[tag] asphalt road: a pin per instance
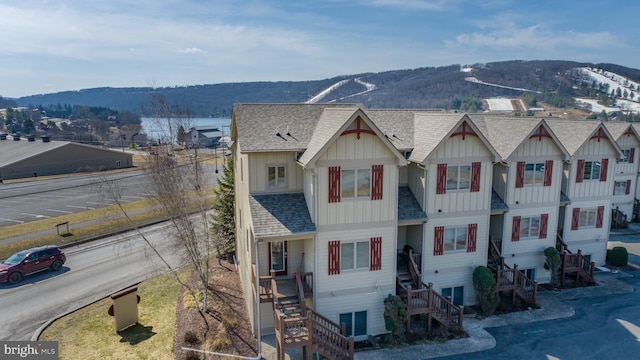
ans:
(92, 272)
(44, 198)
(603, 327)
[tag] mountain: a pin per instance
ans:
(554, 82)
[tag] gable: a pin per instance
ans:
(540, 142)
(464, 141)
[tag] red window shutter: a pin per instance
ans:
(599, 216)
(334, 184)
(520, 174)
(603, 169)
(334, 257)
(627, 191)
(376, 254)
(544, 220)
(472, 235)
(548, 172)
(438, 241)
(515, 229)
(575, 220)
(441, 181)
(475, 176)
(580, 171)
(377, 173)
(632, 153)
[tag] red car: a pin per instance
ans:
(30, 261)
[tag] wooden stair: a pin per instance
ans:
(576, 266)
(511, 279)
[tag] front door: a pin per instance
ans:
(278, 257)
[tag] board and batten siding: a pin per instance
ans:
(529, 252)
(258, 171)
(532, 194)
(460, 200)
(355, 290)
(593, 150)
(592, 241)
(417, 183)
(455, 268)
(348, 152)
(627, 142)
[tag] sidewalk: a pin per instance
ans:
(552, 306)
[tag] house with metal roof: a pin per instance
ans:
(24, 157)
(204, 136)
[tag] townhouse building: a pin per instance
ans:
(625, 170)
(340, 201)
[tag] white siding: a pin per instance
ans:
(259, 163)
(593, 151)
(592, 241)
(455, 269)
(460, 200)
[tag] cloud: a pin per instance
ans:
(193, 50)
(536, 37)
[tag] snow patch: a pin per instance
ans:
(368, 86)
(475, 80)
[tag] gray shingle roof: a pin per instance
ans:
(497, 204)
(256, 126)
(507, 133)
(618, 128)
(330, 122)
(280, 215)
(408, 207)
(573, 134)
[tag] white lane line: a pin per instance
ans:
(60, 211)
(134, 197)
(80, 207)
(11, 220)
(36, 215)
(97, 203)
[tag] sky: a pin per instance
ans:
(59, 45)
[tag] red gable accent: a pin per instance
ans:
(599, 135)
(358, 129)
(464, 132)
(629, 132)
(540, 134)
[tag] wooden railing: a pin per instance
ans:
(329, 339)
(579, 264)
(414, 270)
(300, 292)
(494, 248)
(266, 293)
(619, 219)
(425, 300)
(307, 282)
(509, 279)
(561, 246)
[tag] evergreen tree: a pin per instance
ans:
(223, 225)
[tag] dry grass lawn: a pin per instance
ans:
(89, 333)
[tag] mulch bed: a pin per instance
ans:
(229, 328)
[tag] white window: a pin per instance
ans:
(533, 173)
(354, 255)
(455, 239)
(620, 188)
(355, 183)
(587, 218)
(458, 177)
(625, 158)
(277, 176)
(591, 170)
(530, 227)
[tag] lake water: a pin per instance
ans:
(159, 128)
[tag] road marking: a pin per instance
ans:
(81, 207)
(11, 220)
(36, 215)
(134, 197)
(98, 203)
(60, 211)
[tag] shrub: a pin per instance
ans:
(552, 262)
(486, 292)
(618, 256)
(395, 316)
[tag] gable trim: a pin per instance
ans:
(358, 130)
